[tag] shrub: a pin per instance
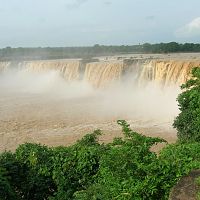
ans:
(6, 191)
(125, 169)
(187, 122)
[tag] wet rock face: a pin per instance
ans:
(186, 188)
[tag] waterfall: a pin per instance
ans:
(4, 66)
(102, 73)
(69, 69)
(166, 73)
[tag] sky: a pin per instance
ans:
(50, 23)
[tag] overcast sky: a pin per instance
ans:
(33, 23)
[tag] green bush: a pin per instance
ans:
(6, 190)
(125, 169)
(188, 121)
(27, 169)
(128, 170)
(75, 167)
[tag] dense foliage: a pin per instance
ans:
(188, 121)
(123, 169)
(9, 53)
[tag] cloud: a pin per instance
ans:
(75, 4)
(191, 29)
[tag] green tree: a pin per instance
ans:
(6, 190)
(187, 122)
(36, 182)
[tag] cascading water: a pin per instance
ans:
(167, 73)
(69, 70)
(101, 74)
(4, 66)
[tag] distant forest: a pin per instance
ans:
(9, 53)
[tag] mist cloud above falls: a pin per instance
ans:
(149, 103)
(122, 101)
(43, 83)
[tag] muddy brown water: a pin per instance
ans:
(55, 121)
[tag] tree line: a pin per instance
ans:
(20, 53)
